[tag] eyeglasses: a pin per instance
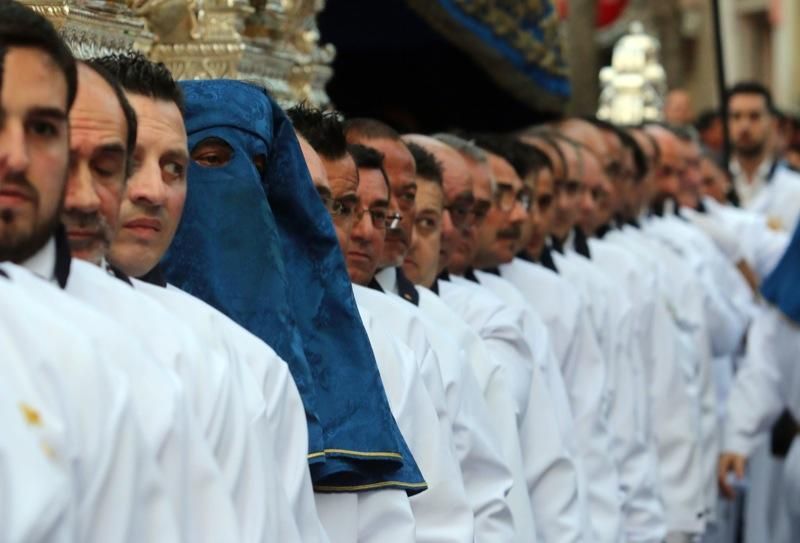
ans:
(461, 214)
(381, 219)
(506, 198)
(480, 209)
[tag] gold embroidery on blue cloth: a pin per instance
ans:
(373, 486)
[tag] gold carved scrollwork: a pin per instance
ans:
(272, 42)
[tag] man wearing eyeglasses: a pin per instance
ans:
(547, 456)
(443, 512)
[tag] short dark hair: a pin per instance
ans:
(548, 138)
(367, 158)
(130, 114)
(20, 26)
(706, 119)
(139, 75)
(523, 157)
(371, 129)
(639, 158)
(428, 167)
(323, 130)
(751, 87)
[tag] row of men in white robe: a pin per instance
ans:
(577, 406)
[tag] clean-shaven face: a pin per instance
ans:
(342, 177)
(96, 182)
(155, 193)
(401, 171)
(421, 264)
(367, 237)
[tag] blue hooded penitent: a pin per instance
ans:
(260, 247)
(782, 286)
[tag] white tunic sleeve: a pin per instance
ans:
(761, 387)
(442, 512)
(118, 489)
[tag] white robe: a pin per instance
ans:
(487, 479)
(283, 504)
(582, 365)
(490, 380)
(442, 512)
(674, 372)
(588, 416)
(766, 384)
(551, 471)
(80, 406)
(741, 235)
(779, 199)
(164, 379)
(35, 489)
(727, 306)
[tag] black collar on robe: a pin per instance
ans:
(633, 222)
(155, 277)
(545, 259)
(556, 245)
(64, 261)
(406, 288)
(374, 285)
(63, 257)
(581, 244)
(470, 274)
(444, 276)
(602, 231)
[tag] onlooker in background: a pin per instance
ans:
(710, 131)
(678, 109)
(762, 183)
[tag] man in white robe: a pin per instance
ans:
(551, 473)
(486, 477)
(149, 215)
(336, 178)
(199, 487)
(762, 183)
(426, 258)
(563, 309)
(82, 420)
(31, 187)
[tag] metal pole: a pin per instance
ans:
(722, 86)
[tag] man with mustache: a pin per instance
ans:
(553, 481)
(762, 183)
(603, 505)
(449, 382)
(115, 481)
(434, 233)
(706, 324)
(607, 438)
(149, 216)
(388, 321)
(677, 443)
(486, 477)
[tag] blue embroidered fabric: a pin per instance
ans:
(261, 248)
(782, 286)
